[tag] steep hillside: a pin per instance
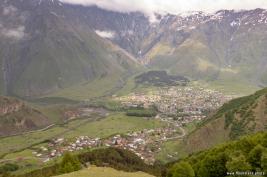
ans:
(46, 46)
(239, 117)
(225, 46)
(127, 30)
(247, 155)
(16, 117)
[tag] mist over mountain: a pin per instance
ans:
(48, 45)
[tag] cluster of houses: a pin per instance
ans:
(191, 102)
(137, 99)
(177, 107)
(145, 143)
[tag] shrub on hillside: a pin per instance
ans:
(9, 167)
(69, 164)
(182, 169)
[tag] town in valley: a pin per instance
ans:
(176, 107)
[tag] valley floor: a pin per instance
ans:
(29, 150)
(179, 110)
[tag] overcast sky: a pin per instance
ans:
(172, 6)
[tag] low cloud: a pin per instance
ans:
(9, 10)
(13, 33)
(149, 7)
(105, 34)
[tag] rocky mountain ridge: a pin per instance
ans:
(8, 106)
(47, 45)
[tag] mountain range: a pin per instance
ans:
(51, 51)
(47, 46)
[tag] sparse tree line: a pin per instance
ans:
(141, 112)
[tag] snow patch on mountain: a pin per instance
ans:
(105, 34)
(13, 33)
(235, 23)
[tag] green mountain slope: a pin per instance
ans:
(241, 116)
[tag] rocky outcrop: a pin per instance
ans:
(16, 117)
(10, 105)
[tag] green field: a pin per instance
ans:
(26, 161)
(171, 151)
(174, 149)
(114, 123)
(18, 149)
(53, 112)
(224, 85)
(129, 86)
(96, 88)
(17, 143)
(104, 172)
(191, 126)
(227, 87)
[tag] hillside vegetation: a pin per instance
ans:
(160, 78)
(249, 154)
(241, 116)
(119, 159)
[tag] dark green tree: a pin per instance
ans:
(264, 162)
(264, 140)
(254, 156)
(238, 164)
(182, 169)
(9, 167)
(213, 166)
(246, 144)
(69, 163)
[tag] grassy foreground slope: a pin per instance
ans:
(241, 116)
(104, 172)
